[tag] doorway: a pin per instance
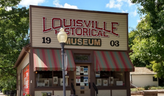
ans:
(82, 79)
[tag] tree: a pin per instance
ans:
(14, 25)
(149, 45)
(136, 44)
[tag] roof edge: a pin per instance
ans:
(143, 74)
(22, 55)
(48, 7)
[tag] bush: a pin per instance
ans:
(153, 88)
(137, 89)
(141, 89)
(156, 88)
(44, 94)
(147, 87)
(133, 89)
(3, 91)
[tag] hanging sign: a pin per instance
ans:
(26, 80)
(65, 61)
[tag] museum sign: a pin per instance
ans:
(102, 30)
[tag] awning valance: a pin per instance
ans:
(50, 60)
(112, 61)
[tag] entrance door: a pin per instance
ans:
(82, 79)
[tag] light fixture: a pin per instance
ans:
(62, 38)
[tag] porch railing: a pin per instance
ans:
(73, 89)
(95, 88)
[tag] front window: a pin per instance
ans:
(110, 78)
(50, 78)
(154, 79)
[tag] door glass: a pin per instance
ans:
(81, 75)
(82, 78)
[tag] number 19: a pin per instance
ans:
(46, 40)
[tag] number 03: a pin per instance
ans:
(114, 43)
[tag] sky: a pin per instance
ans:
(119, 6)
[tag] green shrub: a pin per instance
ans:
(141, 89)
(156, 88)
(137, 89)
(147, 87)
(3, 91)
(153, 88)
(133, 89)
(44, 94)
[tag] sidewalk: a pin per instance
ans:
(1, 94)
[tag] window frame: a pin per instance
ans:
(155, 79)
(51, 82)
(112, 86)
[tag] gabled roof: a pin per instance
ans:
(142, 70)
(21, 55)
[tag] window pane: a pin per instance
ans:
(44, 78)
(118, 78)
(110, 78)
(154, 79)
(57, 76)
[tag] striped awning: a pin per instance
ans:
(112, 61)
(50, 60)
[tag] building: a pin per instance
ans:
(142, 77)
(96, 54)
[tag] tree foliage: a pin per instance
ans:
(148, 45)
(14, 25)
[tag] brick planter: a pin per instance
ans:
(148, 92)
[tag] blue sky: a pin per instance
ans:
(121, 6)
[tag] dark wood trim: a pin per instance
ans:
(21, 79)
(92, 74)
(127, 36)
(52, 82)
(128, 83)
(110, 87)
(51, 88)
(73, 49)
(17, 81)
(32, 73)
(30, 69)
(91, 11)
(35, 78)
(30, 15)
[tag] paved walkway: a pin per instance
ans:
(159, 94)
(1, 94)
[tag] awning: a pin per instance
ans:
(112, 61)
(50, 60)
